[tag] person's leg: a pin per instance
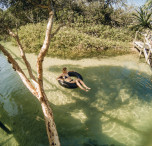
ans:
(79, 85)
(84, 84)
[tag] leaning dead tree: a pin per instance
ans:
(35, 83)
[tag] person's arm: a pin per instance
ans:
(60, 77)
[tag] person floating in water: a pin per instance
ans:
(64, 76)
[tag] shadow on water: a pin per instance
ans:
(107, 83)
(21, 117)
(26, 124)
(2, 126)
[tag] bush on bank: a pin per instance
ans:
(78, 41)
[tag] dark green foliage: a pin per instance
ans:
(78, 41)
(93, 28)
(98, 12)
(19, 14)
(8, 21)
(69, 11)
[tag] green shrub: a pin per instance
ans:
(32, 36)
(106, 31)
(77, 41)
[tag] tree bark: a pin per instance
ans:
(17, 68)
(50, 124)
(48, 114)
(41, 96)
(23, 55)
(37, 88)
(44, 48)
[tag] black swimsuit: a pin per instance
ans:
(71, 80)
(65, 77)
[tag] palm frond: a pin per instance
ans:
(143, 17)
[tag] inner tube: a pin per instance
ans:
(68, 84)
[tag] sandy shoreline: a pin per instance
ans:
(130, 61)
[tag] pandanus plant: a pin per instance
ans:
(149, 4)
(143, 18)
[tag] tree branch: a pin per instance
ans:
(48, 114)
(28, 17)
(39, 5)
(44, 48)
(50, 124)
(23, 55)
(42, 6)
(19, 71)
(56, 31)
(38, 90)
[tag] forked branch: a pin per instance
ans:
(38, 90)
(50, 124)
(57, 30)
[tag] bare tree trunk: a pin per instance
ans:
(48, 114)
(50, 124)
(37, 89)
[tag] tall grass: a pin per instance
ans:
(77, 41)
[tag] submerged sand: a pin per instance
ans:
(117, 110)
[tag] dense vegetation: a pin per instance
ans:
(92, 28)
(78, 41)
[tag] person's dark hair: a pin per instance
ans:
(64, 69)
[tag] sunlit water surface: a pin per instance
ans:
(116, 111)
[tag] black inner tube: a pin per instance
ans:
(68, 84)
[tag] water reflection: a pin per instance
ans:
(2, 126)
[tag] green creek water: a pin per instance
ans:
(116, 111)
